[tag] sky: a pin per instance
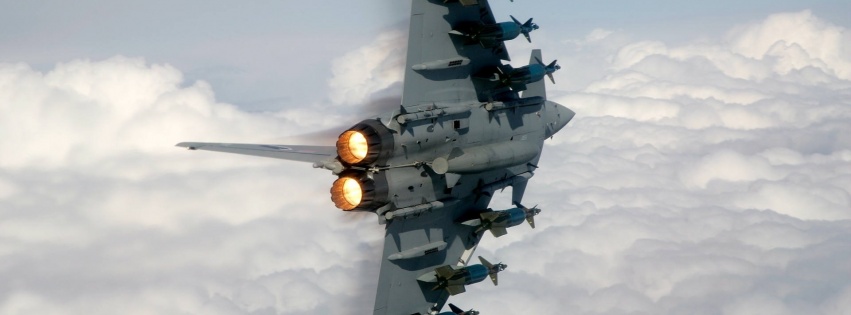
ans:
(708, 169)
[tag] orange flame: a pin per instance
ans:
(352, 147)
(346, 193)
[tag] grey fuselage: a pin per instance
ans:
(490, 147)
(425, 202)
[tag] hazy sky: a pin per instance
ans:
(708, 169)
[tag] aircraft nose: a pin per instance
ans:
(564, 115)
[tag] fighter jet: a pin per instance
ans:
(454, 279)
(436, 161)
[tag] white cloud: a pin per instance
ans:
(99, 207)
(368, 69)
(796, 40)
(728, 166)
(696, 178)
(631, 54)
(82, 112)
(706, 177)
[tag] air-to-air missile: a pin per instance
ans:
(498, 221)
(458, 311)
(518, 78)
(453, 279)
(491, 35)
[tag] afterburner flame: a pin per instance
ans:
(346, 193)
(352, 147)
(352, 191)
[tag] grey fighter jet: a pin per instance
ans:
(431, 166)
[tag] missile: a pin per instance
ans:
(524, 28)
(418, 251)
(518, 78)
(512, 104)
(499, 221)
(492, 35)
(454, 279)
(458, 311)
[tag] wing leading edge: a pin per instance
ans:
(301, 153)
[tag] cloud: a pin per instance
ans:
(100, 209)
(82, 112)
(728, 166)
(796, 41)
(696, 178)
(707, 177)
(369, 69)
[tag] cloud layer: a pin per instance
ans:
(704, 178)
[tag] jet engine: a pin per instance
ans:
(356, 191)
(367, 143)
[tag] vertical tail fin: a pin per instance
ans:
(535, 88)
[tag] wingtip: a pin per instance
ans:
(188, 145)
